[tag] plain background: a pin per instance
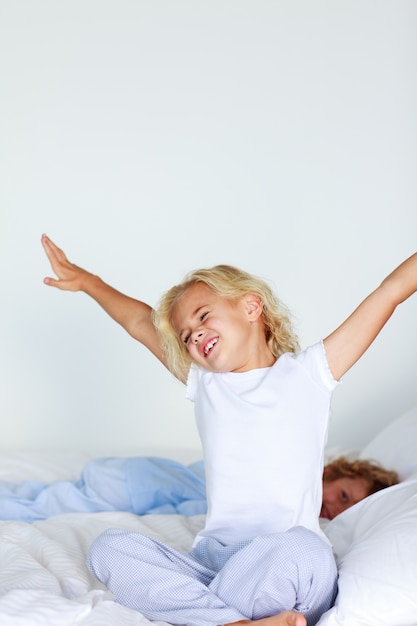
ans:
(151, 137)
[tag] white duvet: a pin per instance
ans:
(43, 576)
(44, 580)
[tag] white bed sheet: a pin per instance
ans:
(43, 576)
(44, 579)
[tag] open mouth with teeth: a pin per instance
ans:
(209, 346)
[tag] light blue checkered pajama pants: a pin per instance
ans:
(215, 584)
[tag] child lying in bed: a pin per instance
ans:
(144, 485)
(347, 482)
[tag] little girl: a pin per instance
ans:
(262, 411)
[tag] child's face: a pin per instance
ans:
(342, 493)
(219, 333)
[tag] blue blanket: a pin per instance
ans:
(139, 485)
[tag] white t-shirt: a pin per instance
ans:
(263, 434)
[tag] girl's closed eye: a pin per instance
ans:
(344, 496)
(186, 338)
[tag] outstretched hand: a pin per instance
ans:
(70, 276)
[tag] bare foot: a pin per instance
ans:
(287, 618)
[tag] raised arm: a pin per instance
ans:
(135, 316)
(348, 342)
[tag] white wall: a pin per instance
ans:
(151, 137)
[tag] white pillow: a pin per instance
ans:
(395, 447)
(375, 543)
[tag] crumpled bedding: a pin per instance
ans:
(139, 485)
(44, 580)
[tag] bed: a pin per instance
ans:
(44, 580)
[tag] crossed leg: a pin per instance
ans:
(287, 618)
(263, 581)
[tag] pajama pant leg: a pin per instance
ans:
(272, 573)
(162, 583)
(281, 571)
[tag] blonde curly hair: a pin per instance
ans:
(376, 476)
(232, 283)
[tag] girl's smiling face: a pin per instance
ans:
(220, 334)
(342, 493)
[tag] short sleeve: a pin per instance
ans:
(314, 359)
(194, 375)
